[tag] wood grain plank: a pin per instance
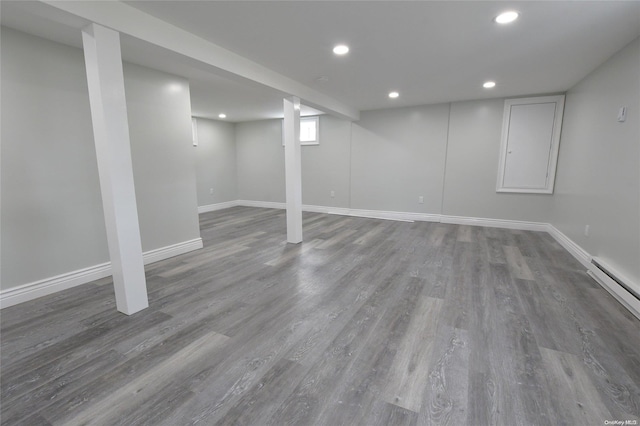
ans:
(364, 380)
(465, 234)
(148, 383)
(517, 263)
(409, 372)
(445, 397)
(317, 387)
(266, 395)
(385, 414)
(576, 393)
(330, 336)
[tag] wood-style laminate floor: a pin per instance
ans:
(368, 322)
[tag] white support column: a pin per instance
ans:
(293, 169)
(105, 78)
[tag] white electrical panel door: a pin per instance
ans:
(530, 139)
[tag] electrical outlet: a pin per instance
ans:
(332, 193)
(211, 191)
(421, 199)
(586, 230)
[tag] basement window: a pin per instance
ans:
(309, 131)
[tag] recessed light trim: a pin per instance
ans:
(222, 115)
(489, 84)
(393, 95)
(507, 17)
(341, 49)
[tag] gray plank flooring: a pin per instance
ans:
(367, 322)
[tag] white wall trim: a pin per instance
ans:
(30, 291)
(391, 215)
(262, 204)
(51, 285)
(617, 291)
(495, 223)
(36, 289)
(574, 249)
(218, 206)
(324, 209)
(167, 252)
(578, 252)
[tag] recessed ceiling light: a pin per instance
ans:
(489, 84)
(341, 49)
(222, 115)
(394, 95)
(506, 17)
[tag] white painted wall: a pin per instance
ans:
(215, 162)
(598, 177)
(159, 112)
(398, 155)
(325, 167)
(389, 158)
(260, 161)
(52, 220)
(52, 217)
(473, 154)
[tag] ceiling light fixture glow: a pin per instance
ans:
(489, 84)
(507, 17)
(222, 115)
(394, 95)
(341, 49)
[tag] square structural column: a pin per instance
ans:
(293, 169)
(105, 79)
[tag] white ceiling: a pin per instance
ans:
(429, 51)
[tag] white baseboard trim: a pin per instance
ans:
(167, 252)
(494, 223)
(36, 289)
(618, 292)
(325, 209)
(218, 206)
(261, 204)
(576, 251)
(30, 291)
(390, 215)
(373, 214)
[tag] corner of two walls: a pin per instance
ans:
(215, 163)
(159, 112)
(598, 177)
(53, 232)
(473, 152)
(447, 154)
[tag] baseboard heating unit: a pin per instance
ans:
(626, 294)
